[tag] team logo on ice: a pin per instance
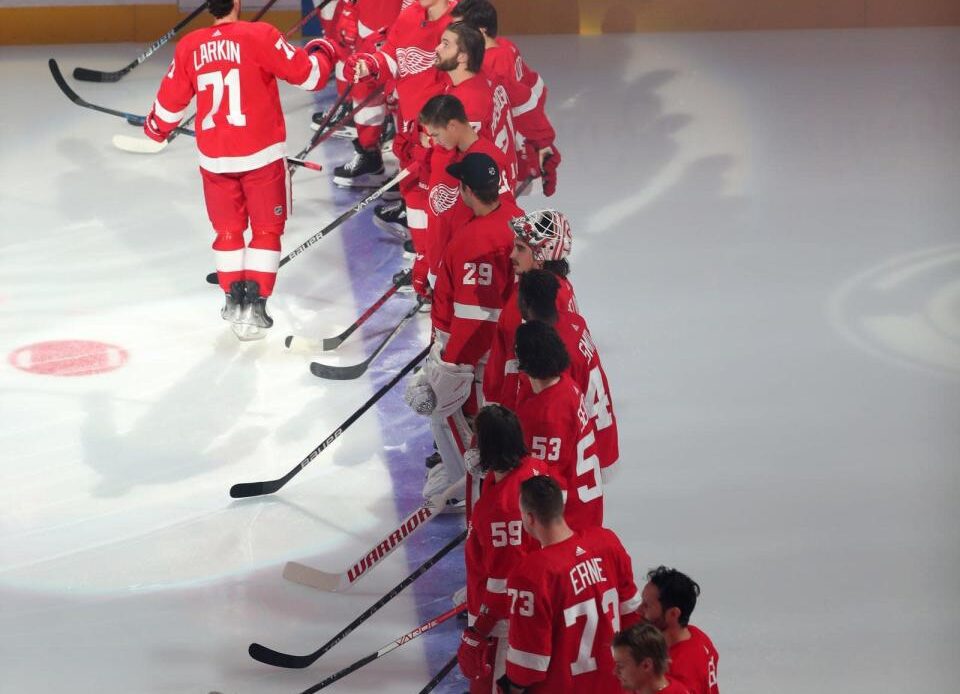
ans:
(906, 309)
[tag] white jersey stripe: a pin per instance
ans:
(511, 366)
(497, 585)
(262, 260)
(370, 115)
(313, 78)
(416, 219)
(246, 163)
(631, 605)
(531, 661)
(392, 64)
(229, 261)
(535, 93)
(472, 312)
(165, 115)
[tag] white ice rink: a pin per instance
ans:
(766, 246)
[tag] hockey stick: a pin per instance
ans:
(315, 138)
(325, 130)
(272, 657)
(348, 373)
(432, 684)
(306, 344)
(212, 277)
(246, 489)
(334, 583)
(88, 75)
(393, 645)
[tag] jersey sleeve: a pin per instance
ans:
(493, 372)
(499, 561)
(627, 591)
(291, 63)
(526, 105)
(175, 93)
(480, 283)
(531, 622)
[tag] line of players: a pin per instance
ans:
(513, 356)
(518, 401)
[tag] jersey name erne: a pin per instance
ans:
(587, 573)
(213, 51)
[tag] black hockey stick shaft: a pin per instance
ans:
(393, 645)
(272, 657)
(331, 343)
(88, 75)
(438, 678)
(348, 373)
(326, 129)
(247, 489)
(325, 123)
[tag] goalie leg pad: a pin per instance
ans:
(452, 434)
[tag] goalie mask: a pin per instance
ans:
(547, 232)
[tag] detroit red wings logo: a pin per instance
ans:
(413, 60)
(442, 197)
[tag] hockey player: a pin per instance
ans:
(232, 68)
(543, 240)
(408, 57)
(556, 426)
(474, 280)
(447, 124)
(358, 26)
(567, 600)
(640, 653)
(503, 65)
(495, 543)
(669, 598)
(537, 292)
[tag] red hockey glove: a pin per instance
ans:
(325, 47)
(361, 67)
(551, 160)
(421, 284)
(472, 654)
(347, 26)
(528, 163)
(151, 128)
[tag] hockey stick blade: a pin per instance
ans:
(138, 145)
(286, 660)
(348, 373)
(392, 646)
(243, 490)
(334, 583)
(331, 343)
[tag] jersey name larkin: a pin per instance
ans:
(212, 51)
(587, 573)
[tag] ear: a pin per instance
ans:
(672, 615)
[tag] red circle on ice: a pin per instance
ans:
(68, 358)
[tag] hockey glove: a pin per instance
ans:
(325, 47)
(419, 277)
(347, 26)
(551, 160)
(528, 162)
(451, 383)
(151, 128)
(471, 461)
(361, 67)
(472, 654)
(419, 395)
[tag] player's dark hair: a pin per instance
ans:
(676, 590)
(220, 8)
(479, 14)
(537, 295)
(644, 641)
(540, 351)
(561, 268)
(487, 195)
(499, 438)
(542, 496)
(470, 42)
(441, 109)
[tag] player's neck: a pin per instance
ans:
(437, 10)
(232, 17)
(555, 534)
(459, 75)
(489, 42)
(541, 384)
(469, 137)
(675, 634)
(482, 210)
(658, 684)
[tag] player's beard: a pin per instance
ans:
(448, 65)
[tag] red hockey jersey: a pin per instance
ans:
(567, 601)
(409, 57)
(497, 541)
(587, 372)
(500, 376)
(694, 663)
(558, 431)
(504, 66)
(473, 281)
(232, 69)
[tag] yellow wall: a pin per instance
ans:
(144, 23)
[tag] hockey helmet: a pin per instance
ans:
(547, 232)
